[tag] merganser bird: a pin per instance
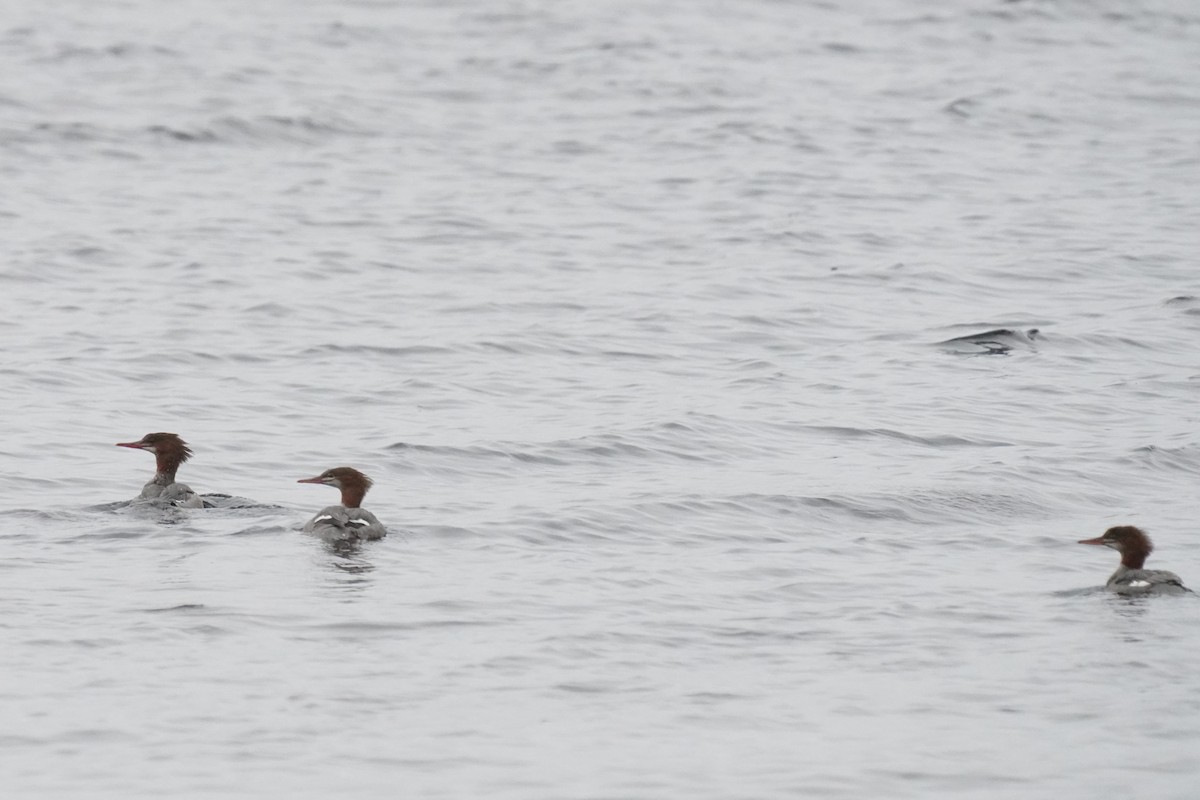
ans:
(1134, 545)
(169, 452)
(347, 521)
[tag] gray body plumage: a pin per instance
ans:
(172, 493)
(338, 523)
(1145, 581)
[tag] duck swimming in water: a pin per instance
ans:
(169, 452)
(347, 522)
(1134, 545)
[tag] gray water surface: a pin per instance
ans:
(647, 320)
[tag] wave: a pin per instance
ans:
(665, 441)
(998, 341)
(746, 518)
(266, 130)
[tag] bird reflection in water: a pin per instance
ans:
(348, 558)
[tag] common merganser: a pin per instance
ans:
(1134, 545)
(347, 521)
(169, 452)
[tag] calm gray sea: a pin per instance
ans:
(638, 315)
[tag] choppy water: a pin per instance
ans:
(640, 316)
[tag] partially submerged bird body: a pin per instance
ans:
(1130, 578)
(169, 452)
(340, 523)
(173, 492)
(1134, 581)
(348, 521)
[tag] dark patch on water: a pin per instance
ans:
(997, 342)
